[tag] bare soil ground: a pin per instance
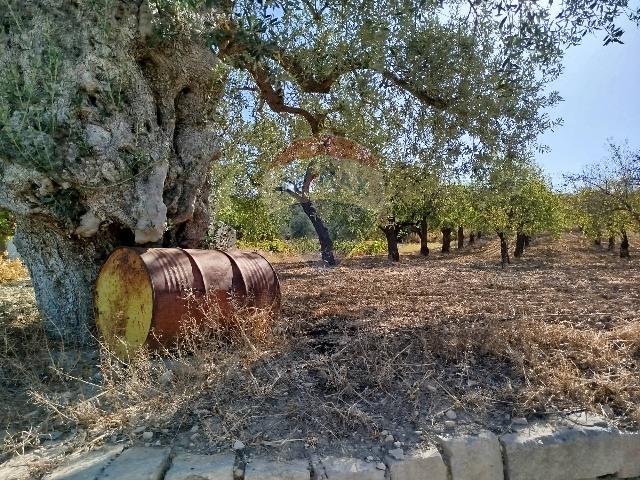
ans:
(444, 344)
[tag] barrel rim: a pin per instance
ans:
(146, 270)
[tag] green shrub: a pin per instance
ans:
(304, 245)
(367, 247)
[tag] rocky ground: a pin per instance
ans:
(368, 356)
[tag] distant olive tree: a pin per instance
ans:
(608, 196)
(516, 200)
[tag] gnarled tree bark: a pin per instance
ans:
(446, 239)
(423, 233)
(504, 249)
(624, 245)
(119, 153)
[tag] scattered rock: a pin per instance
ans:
(519, 421)
(389, 439)
(396, 454)
(449, 423)
(384, 433)
(166, 378)
(451, 414)
(608, 411)
(138, 430)
(369, 458)
(147, 435)
(432, 388)
(381, 466)
(238, 445)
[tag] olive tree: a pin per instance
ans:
(515, 199)
(609, 195)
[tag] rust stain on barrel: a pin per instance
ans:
(144, 295)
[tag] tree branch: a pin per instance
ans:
(309, 176)
(275, 100)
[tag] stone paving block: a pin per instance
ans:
(265, 470)
(138, 463)
(187, 466)
(87, 465)
(16, 468)
(474, 457)
(350, 469)
(630, 455)
(543, 453)
(419, 465)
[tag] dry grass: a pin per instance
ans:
(371, 346)
(11, 270)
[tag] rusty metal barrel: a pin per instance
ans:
(144, 296)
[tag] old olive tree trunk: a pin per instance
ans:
(105, 139)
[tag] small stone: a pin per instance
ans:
(608, 411)
(194, 429)
(369, 458)
(166, 378)
(381, 466)
(147, 435)
(432, 388)
(389, 439)
(397, 444)
(471, 383)
(138, 430)
(65, 398)
(238, 471)
(238, 445)
(195, 436)
(158, 443)
(396, 454)
(450, 423)
(519, 421)
(418, 432)
(384, 433)
(451, 414)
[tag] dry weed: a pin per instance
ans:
(372, 346)
(11, 270)
(160, 390)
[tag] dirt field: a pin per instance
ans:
(443, 344)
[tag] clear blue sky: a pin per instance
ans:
(601, 90)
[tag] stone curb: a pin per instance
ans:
(539, 452)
